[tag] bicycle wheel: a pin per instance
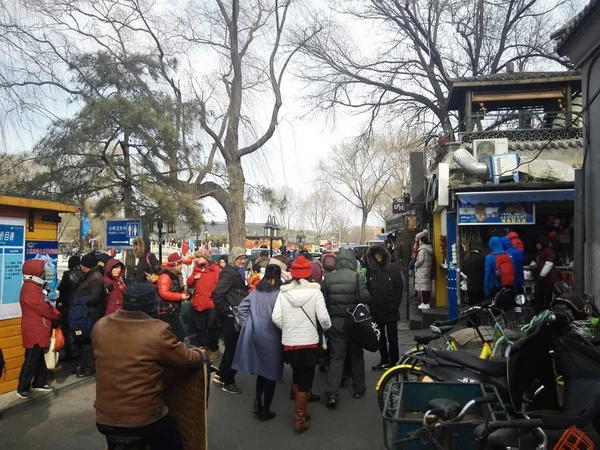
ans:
(386, 386)
(406, 358)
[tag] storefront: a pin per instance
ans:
(520, 208)
(28, 230)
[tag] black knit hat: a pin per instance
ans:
(140, 297)
(90, 261)
(103, 257)
(74, 261)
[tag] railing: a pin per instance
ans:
(526, 119)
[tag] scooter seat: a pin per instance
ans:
(425, 339)
(491, 367)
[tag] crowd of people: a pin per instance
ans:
(273, 311)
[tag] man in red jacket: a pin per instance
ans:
(36, 327)
(204, 279)
(171, 294)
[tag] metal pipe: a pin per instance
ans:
(579, 257)
(469, 164)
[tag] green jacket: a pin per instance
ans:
(344, 288)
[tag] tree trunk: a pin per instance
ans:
(128, 207)
(236, 207)
(363, 226)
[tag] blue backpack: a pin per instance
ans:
(80, 324)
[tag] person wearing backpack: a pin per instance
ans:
(518, 259)
(89, 306)
(499, 270)
(37, 320)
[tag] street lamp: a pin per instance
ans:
(300, 239)
(271, 230)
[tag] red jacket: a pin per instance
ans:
(37, 315)
(114, 302)
(209, 277)
(516, 241)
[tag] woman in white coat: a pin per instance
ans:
(300, 304)
(423, 267)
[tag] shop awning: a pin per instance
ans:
(491, 197)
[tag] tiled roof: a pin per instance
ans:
(564, 35)
(516, 76)
(537, 145)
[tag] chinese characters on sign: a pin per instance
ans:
(47, 251)
(12, 242)
(120, 233)
(522, 213)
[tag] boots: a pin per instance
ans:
(301, 404)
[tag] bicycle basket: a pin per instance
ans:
(574, 439)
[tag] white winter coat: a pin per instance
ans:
(423, 268)
(288, 314)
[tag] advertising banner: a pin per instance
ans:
(47, 251)
(12, 243)
(522, 213)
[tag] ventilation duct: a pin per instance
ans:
(469, 164)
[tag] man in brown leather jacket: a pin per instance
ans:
(132, 347)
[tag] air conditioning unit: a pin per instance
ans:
(503, 167)
(483, 148)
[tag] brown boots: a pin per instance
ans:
(301, 403)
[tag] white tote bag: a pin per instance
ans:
(50, 355)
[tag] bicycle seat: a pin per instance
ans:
(425, 339)
(491, 367)
(445, 408)
(441, 329)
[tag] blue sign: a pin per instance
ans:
(522, 213)
(12, 243)
(120, 233)
(46, 251)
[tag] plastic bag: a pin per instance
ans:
(59, 339)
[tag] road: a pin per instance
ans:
(68, 422)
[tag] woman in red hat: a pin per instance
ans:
(171, 292)
(299, 306)
(204, 279)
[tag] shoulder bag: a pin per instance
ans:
(360, 326)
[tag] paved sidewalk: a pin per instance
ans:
(64, 382)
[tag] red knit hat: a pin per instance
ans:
(174, 260)
(301, 268)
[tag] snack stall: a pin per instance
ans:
(529, 213)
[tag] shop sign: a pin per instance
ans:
(521, 213)
(398, 206)
(46, 251)
(12, 243)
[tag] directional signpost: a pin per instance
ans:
(121, 232)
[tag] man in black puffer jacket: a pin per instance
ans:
(343, 290)
(385, 285)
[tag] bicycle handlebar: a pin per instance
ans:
(517, 423)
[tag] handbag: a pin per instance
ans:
(59, 338)
(360, 326)
(51, 354)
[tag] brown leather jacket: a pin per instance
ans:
(131, 350)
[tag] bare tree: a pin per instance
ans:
(407, 69)
(243, 41)
(317, 210)
(359, 171)
(285, 202)
(341, 223)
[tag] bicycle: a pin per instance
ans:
(408, 367)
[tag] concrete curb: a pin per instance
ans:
(20, 405)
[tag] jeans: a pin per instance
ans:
(389, 336)
(34, 367)
(176, 325)
(160, 435)
(340, 345)
(230, 338)
(207, 329)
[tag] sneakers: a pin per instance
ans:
(85, 373)
(231, 389)
(381, 367)
(217, 379)
(27, 395)
(45, 388)
(332, 401)
(424, 306)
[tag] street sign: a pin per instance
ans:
(398, 206)
(121, 232)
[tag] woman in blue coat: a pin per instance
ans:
(259, 348)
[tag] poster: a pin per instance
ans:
(47, 251)
(521, 213)
(12, 243)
